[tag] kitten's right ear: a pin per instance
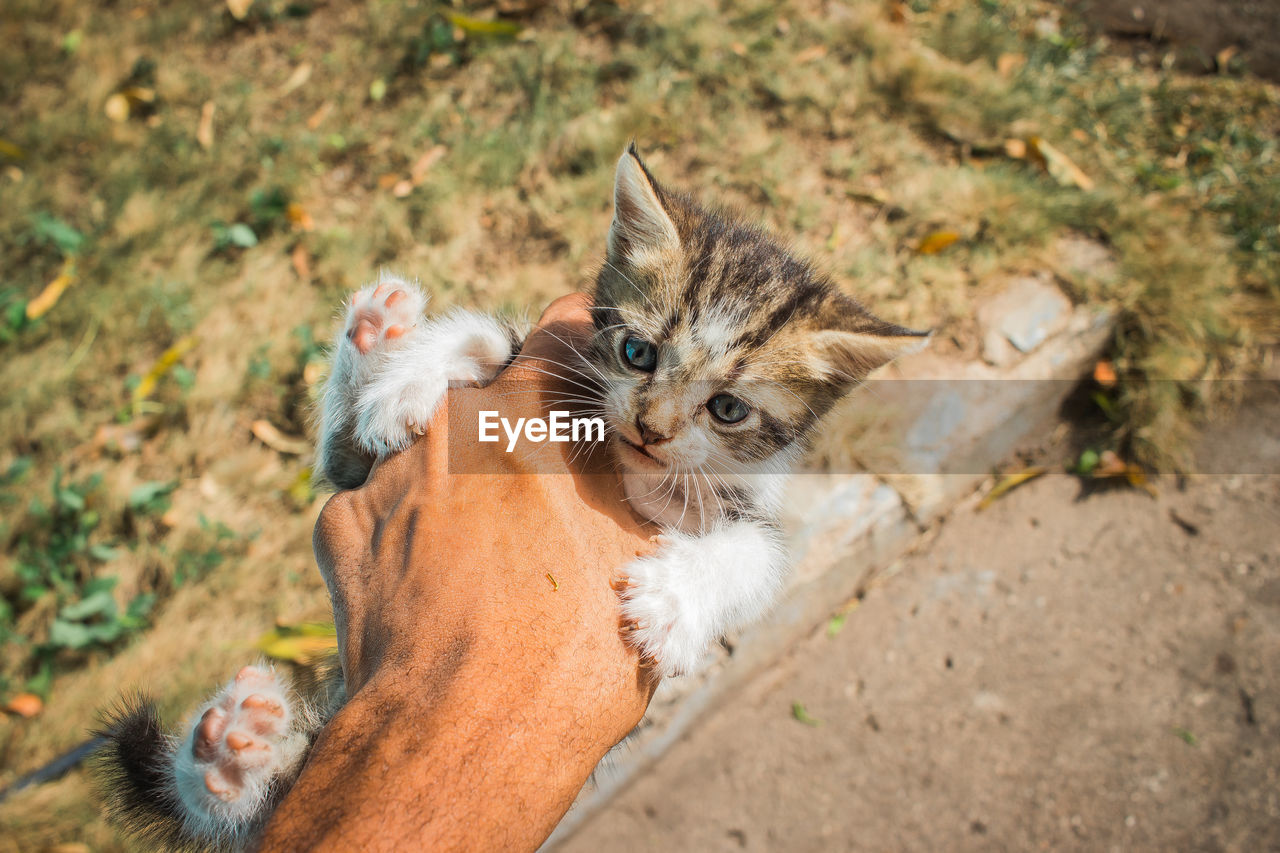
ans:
(640, 223)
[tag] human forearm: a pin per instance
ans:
(488, 750)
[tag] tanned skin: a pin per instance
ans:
(482, 691)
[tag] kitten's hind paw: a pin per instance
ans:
(245, 738)
(382, 312)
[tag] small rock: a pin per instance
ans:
(1025, 314)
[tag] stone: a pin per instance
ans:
(1020, 318)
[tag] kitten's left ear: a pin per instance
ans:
(640, 223)
(859, 343)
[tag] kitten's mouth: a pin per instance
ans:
(638, 450)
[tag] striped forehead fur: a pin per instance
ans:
(729, 306)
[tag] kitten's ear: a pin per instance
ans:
(640, 224)
(845, 356)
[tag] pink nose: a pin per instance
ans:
(648, 435)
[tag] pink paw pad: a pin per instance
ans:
(380, 313)
(237, 738)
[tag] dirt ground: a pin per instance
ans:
(1199, 29)
(1054, 672)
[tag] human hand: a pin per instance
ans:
(478, 629)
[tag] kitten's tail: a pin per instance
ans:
(134, 769)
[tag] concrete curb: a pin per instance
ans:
(945, 434)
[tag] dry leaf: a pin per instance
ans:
(301, 262)
(480, 27)
(12, 151)
(809, 54)
(117, 108)
(1015, 148)
(387, 181)
(899, 13)
(52, 292)
(304, 643)
(266, 432)
(424, 163)
(25, 705)
(1104, 373)
(313, 372)
(936, 241)
(297, 214)
(1110, 465)
(163, 365)
(402, 189)
(204, 132)
(1059, 166)
(297, 79)
(1010, 483)
(318, 117)
(1009, 63)
(738, 48)
(239, 8)
(1224, 57)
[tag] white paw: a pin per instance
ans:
(382, 313)
(239, 744)
(660, 619)
(403, 395)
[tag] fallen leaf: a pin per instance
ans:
(1079, 135)
(117, 108)
(738, 48)
(297, 215)
(52, 292)
(1059, 166)
(1016, 148)
(1187, 737)
(305, 643)
(297, 79)
(402, 189)
(163, 364)
(1010, 483)
(481, 27)
(424, 163)
(1010, 62)
(300, 490)
(377, 89)
(936, 241)
(1111, 466)
(11, 151)
(810, 54)
(301, 262)
(239, 8)
(1224, 57)
(798, 711)
(139, 95)
(1104, 373)
(387, 181)
(204, 131)
(25, 705)
(267, 433)
(318, 117)
(313, 372)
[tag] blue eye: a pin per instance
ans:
(640, 354)
(727, 409)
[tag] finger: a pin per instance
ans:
(564, 325)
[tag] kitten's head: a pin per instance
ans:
(719, 349)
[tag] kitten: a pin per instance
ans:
(715, 352)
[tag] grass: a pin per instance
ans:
(859, 134)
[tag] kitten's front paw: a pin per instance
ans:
(659, 620)
(382, 312)
(241, 742)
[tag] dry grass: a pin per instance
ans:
(854, 132)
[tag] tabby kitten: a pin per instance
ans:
(714, 354)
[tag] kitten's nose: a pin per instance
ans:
(647, 435)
